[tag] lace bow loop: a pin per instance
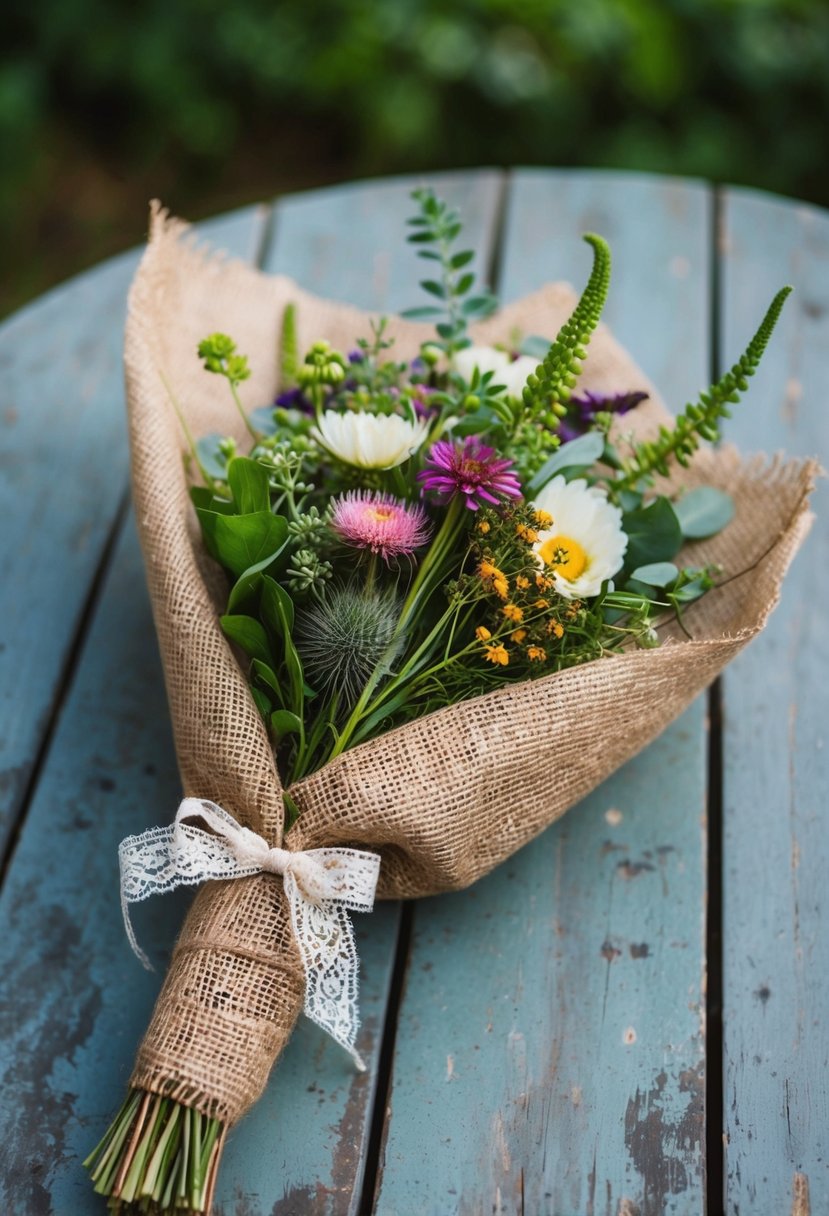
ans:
(321, 885)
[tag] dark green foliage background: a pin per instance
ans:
(214, 104)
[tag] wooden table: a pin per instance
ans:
(628, 1017)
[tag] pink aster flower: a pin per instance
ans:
(385, 525)
(471, 469)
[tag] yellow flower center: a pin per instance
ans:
(380, 514)
(565, 555)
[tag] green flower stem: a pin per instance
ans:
(255, 435)
(430, 572)
(188, 435)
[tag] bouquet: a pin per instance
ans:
(450, 577)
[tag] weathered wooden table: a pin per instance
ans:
(631, 1016)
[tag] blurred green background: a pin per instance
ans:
(212, 104)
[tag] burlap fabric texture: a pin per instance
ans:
(443, 799)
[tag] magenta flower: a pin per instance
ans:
(385, 525)
(471, 469)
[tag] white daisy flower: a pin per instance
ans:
(508, 371)
(584, 545)
(369, 441)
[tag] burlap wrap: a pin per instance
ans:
(443, 799)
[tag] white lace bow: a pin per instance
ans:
(322, 885)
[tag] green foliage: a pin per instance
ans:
(219, 354)
(436, 228)
(700, 420)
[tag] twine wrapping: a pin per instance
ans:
(442, 799)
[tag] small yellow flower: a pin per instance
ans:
(484, 526)
(543, 583)
(482, 633)
(527, 534)
(501, 586)
(518, 636)
(497, 655)
(556, 628)
(522, 582)
(541, 604)
(543, 518)
(487, 570)
(537, 654)
(513, 613)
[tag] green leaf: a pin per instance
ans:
(241, 541)
(578, 453)
(263, 702)
(479, 306)
(210, 458)
(283, 723)
(534, 346)
(463, 284)
(248, 633)
(248, 481)
(277, 608)
(421, 314)
(703, 512)
(204, 499)
(656, 574)
(267, 675)
(434, 288)
(459, 260)
(654, 534)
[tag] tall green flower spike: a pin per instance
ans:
(699, 420)
(549, 388)
(289, 359)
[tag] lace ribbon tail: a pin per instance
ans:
(325, 936)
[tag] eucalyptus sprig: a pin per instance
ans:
(700, 419)
(438, 226)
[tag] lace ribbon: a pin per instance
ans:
(322, 885)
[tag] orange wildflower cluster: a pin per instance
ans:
(532, 619)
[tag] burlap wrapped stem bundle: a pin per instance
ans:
(443, 799)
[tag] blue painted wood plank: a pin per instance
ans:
(63, 474)
(776, 777)
(550, 1050)
(361, 228)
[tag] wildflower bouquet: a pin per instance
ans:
(444, 533)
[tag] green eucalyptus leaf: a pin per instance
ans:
(578, 453)
(239, 542)
(703, 512)
(249, 634)
(656, 574)
(654, 534)
(210, 458)
(535, 346)
(248, 481)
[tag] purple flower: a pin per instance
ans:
(471, 469)
(420, 400)
(582, 410)
(293, 399)
(355, 356)
(385, 525)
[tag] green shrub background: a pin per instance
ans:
(212, 104)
